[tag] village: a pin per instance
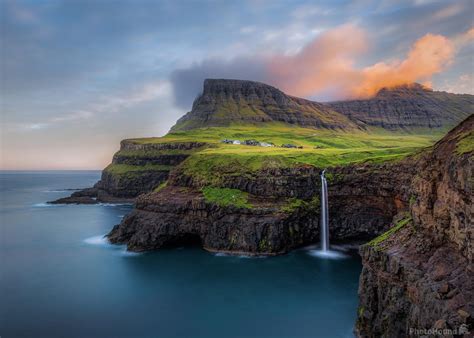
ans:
(262, 144)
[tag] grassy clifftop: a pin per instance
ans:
(320, 148)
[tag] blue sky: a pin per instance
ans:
(79, 76)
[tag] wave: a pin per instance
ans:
(45, 205)
(221, 254)
(113, 204)
(100, 240)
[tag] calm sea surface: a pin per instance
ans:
(58, 278)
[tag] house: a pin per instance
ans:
(251, 143)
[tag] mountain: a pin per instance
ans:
(224, 102)
(407, 107)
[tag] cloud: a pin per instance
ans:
(85, 137)
(464, 84)
(326, 68)
(147, 92)
(305, 11)
(56, 120)
(463, 39)
(448, 11)
(428, 56)
(158, 90)
(326, 63)
(85, 72)
(313, 69)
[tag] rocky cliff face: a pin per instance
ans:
(419, 276)
(364, 198)
(224, 102)
(177, 215)
(284, 211)
(137, 168)
(407, 107)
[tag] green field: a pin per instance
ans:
(307, 137)
(321, 148)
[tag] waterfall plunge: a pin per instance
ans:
(325, 252)
(324, 214)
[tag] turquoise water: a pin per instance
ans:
(58, 278)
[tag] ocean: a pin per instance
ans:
(60, 278)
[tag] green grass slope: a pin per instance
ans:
(321, 148)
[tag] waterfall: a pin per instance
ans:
(324, 214)
(325, 251)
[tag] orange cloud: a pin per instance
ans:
(327, 64)
(429, 55)
(328, 61)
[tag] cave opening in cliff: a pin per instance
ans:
(189, 240)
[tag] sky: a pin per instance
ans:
(78, 76)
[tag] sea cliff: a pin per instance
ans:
(419, 275)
